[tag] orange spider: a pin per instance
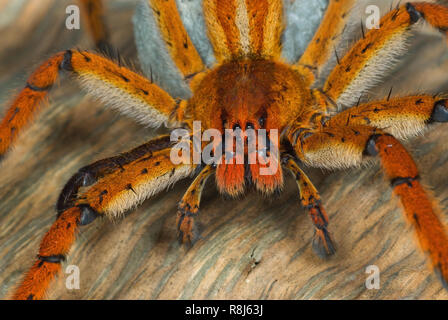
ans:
(249, 87)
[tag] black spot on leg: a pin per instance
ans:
(124, 78)
(144, 171)
(415, 216)
(86, 58)
(129, 187)
(366, 48)
(16, 111)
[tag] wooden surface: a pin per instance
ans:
(253, 248)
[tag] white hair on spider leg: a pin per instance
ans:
(129, 199)
(121, 101)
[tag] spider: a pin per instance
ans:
(249, 87)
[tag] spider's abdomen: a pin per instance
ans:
(249, 93)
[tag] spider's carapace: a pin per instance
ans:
(250, 94)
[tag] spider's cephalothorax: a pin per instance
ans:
(250, 94)
(249, 87)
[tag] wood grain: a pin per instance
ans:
(252, 248)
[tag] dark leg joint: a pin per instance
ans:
(413, 13)
(66, 64)
(440, 112)
(370, 149)
(38, 89)
(88, 215)
(68, 195)
(399, 181)
(52, 259)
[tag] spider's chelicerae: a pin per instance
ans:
(249, 87)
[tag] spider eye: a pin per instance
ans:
(250, 125)
(236, 126)
(262, 121)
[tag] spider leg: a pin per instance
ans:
(323, 43)
(339, 147)
(402, 117)
(94, 11)
(176, 38)
(113, 84)
(189, 208)
(145, 172)
(323, 243)
(367, 61)
(241, 28)
(90, 174)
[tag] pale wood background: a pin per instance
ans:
(253, 248)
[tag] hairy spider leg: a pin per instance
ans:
(178, 42)
(94, 12)
(188, 209)
(342, 147)
(403, 117)
(323, 243)
(322, 46)
(113, 84)
(90, 174)
(367, 61)
(244, 28)
(112, 195)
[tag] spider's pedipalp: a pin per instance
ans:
(142, 173)
(399, 167)
(187, 230)
(117, 86)
(323, 243)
